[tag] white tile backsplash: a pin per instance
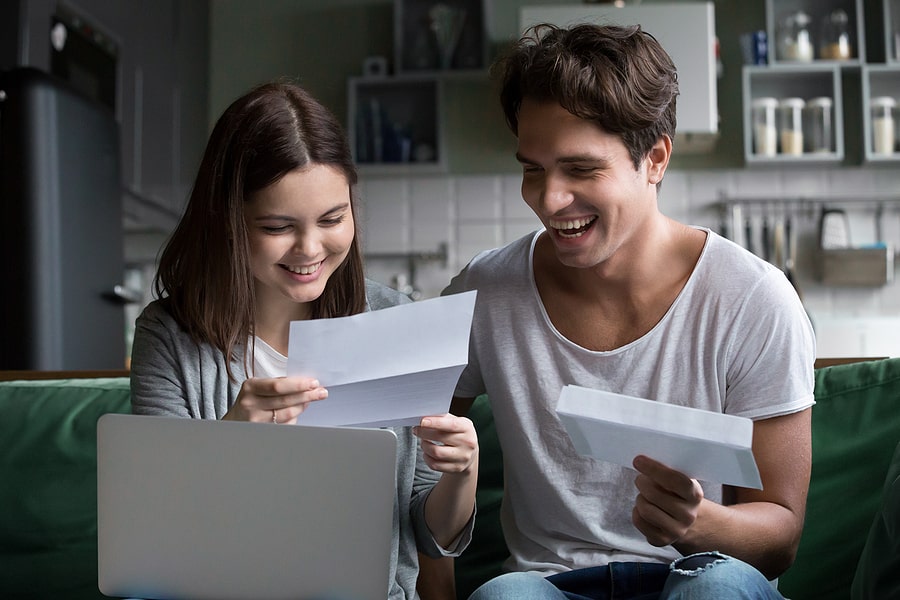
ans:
(474, 213)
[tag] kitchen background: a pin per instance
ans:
(181, 63)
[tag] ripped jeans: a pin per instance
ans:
(704, 576)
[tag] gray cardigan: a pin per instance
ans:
(171, 375)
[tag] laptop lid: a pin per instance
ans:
(200, 509)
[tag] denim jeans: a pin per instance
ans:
(704, 576)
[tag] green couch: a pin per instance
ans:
(48, 546)
(48, 485)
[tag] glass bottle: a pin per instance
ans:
(795, 43)
(882, 111)
(819, 137)
(834, 42)
(765, 129)
(790, 126)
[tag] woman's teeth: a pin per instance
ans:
(574, 228)
(307, 270)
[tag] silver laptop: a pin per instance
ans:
(193, 509)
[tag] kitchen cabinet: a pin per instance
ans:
(803, 62)
(686, 30)
(162, 93)
(396, 121)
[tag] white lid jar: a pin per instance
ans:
(790, 125)
(765, 129)
(817, 128)
(882, 116)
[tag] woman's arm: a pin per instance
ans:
(450, 446)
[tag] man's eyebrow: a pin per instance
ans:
(576, 158)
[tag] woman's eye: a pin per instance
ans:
(332, 221)
(275, 229)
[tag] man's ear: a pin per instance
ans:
(658, 159)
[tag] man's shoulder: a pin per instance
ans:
(508, 260)
(380, 296)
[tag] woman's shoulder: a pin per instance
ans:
(157, 310)
(380, 296)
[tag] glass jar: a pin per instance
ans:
(882, 110)
(795, 42)
(834, 41)
(790, 125)
(818, 132)
(765, 129)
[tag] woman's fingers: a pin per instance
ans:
(275, 400)
(449, 443)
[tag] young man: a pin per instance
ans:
(614, 295)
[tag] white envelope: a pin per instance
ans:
(704, 445)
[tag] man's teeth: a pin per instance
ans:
(572, 229)
(304, 270)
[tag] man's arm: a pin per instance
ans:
(760, 527)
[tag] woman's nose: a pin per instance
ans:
(307, 245)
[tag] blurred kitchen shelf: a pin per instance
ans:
(440, 36)
(806, 82)
(871, 70)
(395, 125)
(880, 81)
(778, 11)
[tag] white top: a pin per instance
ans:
(736, 340)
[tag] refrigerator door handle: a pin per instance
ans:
(122, 295)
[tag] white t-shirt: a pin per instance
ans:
(267, 361)
(736, 340)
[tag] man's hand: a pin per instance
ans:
(667, 503)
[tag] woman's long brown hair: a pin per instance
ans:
(204, 270)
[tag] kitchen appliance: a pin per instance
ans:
(84, 56)
(61, 233)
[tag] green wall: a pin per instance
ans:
(322, 42)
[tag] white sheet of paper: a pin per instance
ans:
(704, 445)
(386, 367)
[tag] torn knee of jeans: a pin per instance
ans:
(695, 564)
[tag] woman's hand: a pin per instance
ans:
(449, 443)
(450, 446)
(276, 400)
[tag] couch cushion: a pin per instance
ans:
(878, 572)
(855, 428)
(48, 496)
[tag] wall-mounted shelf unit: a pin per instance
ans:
(821, 42)
(819, 81)
(851, 80)
(440, 35)
(395, 124)
(395, 120)
(881, 137)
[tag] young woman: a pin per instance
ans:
(268, 237)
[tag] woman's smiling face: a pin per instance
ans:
(300, 230)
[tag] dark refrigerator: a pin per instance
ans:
(61, 234)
